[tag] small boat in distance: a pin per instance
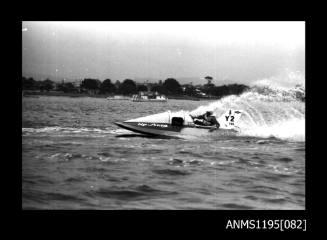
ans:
(118, 97)
(149, 97)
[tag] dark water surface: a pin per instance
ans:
(74, 157)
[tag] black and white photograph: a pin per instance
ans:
(163, 115)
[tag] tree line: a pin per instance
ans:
(170, 87)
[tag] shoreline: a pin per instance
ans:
(75, 95)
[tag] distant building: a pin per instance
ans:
(77, 84)
(56, 86)
(199, 92)
(184, 86)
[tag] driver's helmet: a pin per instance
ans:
(209, 113)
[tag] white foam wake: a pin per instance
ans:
(290, 130)
(65, 130)
(268, 110)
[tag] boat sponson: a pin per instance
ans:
(149, 128)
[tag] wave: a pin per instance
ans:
(129, 193)
(269, 110)
(72, 130)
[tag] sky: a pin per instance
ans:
(239, 52)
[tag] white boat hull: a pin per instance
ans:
(177, 124)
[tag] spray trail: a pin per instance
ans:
(268, 111)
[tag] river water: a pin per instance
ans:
(74, 157)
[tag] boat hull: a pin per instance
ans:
(164, 129)
(176, 124)
(150, 128)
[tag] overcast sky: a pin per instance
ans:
(242, 52)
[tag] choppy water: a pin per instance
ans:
(74, 157)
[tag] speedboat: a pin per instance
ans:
(179, 123)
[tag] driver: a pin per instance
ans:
(208, 118)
